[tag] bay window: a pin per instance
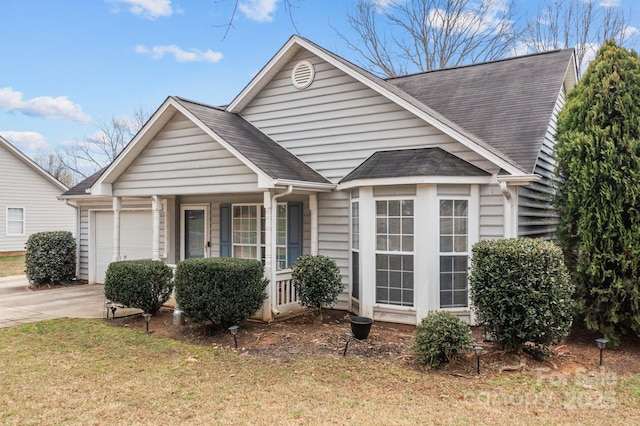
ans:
(394, 252)
(454, 253)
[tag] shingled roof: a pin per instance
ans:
(413, 162)
(507, 104)
(82, 187)
(270, 157)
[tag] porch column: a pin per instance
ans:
(269, 270)
(156, 206)
(313, 207)
(117, 206)
(367, 251)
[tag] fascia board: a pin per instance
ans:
(35, 166)
(283, 55)
(133, 149)
(413, 180)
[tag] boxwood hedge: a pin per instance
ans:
(50, 257)
(224, 291)
(142, 284)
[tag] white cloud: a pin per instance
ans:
(259, 10)
(610, 3)
(150, 9)
(43, 106)
(193, 55)
(28, 142)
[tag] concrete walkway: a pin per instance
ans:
(19, 304)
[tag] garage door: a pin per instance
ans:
(136, 233)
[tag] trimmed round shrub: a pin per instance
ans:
(440, 336)
(521, 292)
(317, 280)
(224, 291)
(50, 257)
(141, 284)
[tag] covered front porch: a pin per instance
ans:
(274, 227)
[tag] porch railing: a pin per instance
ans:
(286, 294)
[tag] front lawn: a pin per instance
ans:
(90, 372)
(11, 265)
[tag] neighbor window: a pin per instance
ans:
(454, 253)
(15, 221)
(394, 252)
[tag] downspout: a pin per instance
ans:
(274, 226)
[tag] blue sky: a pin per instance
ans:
(69, 65)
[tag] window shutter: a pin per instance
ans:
(294, 232)
(225, 230)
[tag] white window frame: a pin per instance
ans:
(23, 221)
(466, 253)
(260, 243)
(393, 306)
(354, 245)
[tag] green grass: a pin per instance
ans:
(11, 265)
(90, 372)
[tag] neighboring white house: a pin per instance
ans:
(394, 179)
(28, 200)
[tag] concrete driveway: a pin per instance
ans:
(18, 304)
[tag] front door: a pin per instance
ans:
(194, 220)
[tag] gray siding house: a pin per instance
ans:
(28, 200)
(394, 179)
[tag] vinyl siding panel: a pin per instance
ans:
(536, 216)
(491, 212)
(338, 122)
(182, 159)
(333, 235)
(23, 187)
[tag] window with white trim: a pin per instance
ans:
(248, 221)
(15, 221)
(394, 252)
(454, 253)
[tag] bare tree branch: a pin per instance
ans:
(53, 164)
(424, 35)
(86, 157)
(580, 24)
(288, 5)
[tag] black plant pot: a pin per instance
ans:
(360, 327)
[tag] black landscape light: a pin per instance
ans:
(348, 336)
(147, 318)
(602, 343)
(478, 351)
(107, 306)
(234, 332)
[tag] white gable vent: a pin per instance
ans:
(302, 74)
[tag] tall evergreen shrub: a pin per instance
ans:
(521, 292)
(598, 197)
